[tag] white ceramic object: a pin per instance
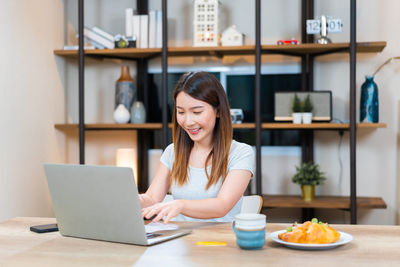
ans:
(121, 114)
(307, 117)
(138, 114)
(205, 22)
(232, 37)
(297, 117)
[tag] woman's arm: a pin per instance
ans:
(231, 191)
(158, 188)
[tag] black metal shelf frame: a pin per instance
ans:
(81, 62)
(307, 63)
(352, 107)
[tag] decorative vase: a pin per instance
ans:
(121, 114)
(296, 117)
(125, 89)
(308, 192)
(307, 117)
(138, 113)
(369, 105)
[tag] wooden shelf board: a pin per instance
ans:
(246, 125)
(300, 49)
(371, 125)
(129, 53)
(110, 126)
(321, 126)
(327, 202)
(211, 51)
(265, 126)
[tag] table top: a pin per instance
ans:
(372, 246)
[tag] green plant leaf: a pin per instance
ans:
(307, 105)
(308, 174)
(296, 105)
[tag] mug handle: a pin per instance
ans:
(233, 227)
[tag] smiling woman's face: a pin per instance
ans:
(196, 117)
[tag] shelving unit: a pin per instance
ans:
(220, 51)
(323, 202)
(307, 51)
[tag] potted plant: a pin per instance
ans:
(296, 110)
(308, 175)
(307, 110)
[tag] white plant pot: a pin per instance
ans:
(296, 117)
(307, 117)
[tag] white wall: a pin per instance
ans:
(31, 101)
(35, 85)
(376, 150)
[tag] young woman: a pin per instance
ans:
(204, 169)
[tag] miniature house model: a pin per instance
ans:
(205, 23)
(232, 37)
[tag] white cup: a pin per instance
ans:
(249, 229)
(250, 221)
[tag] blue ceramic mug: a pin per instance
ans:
(250, 230)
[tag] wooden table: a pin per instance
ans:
(372, 246)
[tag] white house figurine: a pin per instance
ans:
(232, 37)
(205, 23)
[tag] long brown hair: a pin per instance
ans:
(205, 87)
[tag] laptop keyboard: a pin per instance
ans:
(151, 235)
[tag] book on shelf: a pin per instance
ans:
(144, 31)
(146, 28)
(97, 39)
(94, 43)
(103, 34)
(158, 28)
(152, 28)
(136, 28)
(128, 22)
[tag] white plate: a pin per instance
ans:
(344, 239)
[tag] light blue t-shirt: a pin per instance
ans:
(241, 157)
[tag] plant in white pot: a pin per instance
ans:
(307, 110)
(308, 175)
(296, 110)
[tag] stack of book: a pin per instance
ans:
(98, 38)
(146, 28)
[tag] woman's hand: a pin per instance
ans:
(169, 210)
(145, 200)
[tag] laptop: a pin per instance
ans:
(102, 203)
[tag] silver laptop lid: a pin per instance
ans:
(96, 202)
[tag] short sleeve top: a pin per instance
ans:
(241, 157)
